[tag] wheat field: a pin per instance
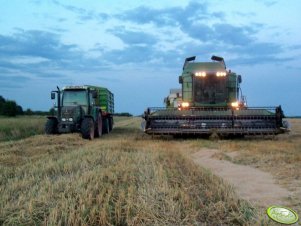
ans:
(14, 128)
(124, 178)
(129, 178)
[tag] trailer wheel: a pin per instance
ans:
(98, 129)
(87, 128)
(105, 126)
(51, 126)
(110, 124)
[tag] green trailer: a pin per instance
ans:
(86, 109)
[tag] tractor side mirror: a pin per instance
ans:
(94, 94)
(180, 79)
(239, 79)
(52, 95)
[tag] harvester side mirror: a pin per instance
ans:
(239, 79)
(94, 94)
(52, 95)
(180, 79)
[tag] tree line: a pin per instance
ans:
(11, 108)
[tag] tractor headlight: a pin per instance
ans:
(64, 119)
(70, 119)
(235, 104)
(185, 105)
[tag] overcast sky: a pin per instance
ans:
(137, 48)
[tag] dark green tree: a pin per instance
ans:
(28, 112)
(2, 101)
(9, 108)
(19, 110)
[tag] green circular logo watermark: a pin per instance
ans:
(282, 214)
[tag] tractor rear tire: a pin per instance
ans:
(87, 128)
(51, 126)
(98, 127)
(110, 124)
(105, 128)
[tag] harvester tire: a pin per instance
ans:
(87, 128)
(51, 126)
(105, 128)
(98, 127)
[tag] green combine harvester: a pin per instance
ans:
(211, 102)
(85, 109)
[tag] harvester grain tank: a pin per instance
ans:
(174, 98)
(212, 102)
(86, 109)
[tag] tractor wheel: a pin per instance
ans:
(51, 126)
(105, 127)
(110, 124)
(98, 128)
(87, 128)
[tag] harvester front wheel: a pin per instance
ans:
(51, 126)
(87, 128)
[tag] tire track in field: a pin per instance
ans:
(250, 183)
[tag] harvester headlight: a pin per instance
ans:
(221, 74)
(185, 104)
(70, 119)
(200, 74)
(64, 119)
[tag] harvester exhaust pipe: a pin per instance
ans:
(187, 60)
(219, 59)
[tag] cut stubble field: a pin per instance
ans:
(128, 178)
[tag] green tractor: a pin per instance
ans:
(85, 109)
(211, 102)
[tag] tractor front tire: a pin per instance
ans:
(87, 128)
(51, 126)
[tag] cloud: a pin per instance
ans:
(131, 54)
(267, 3)
(83, 14)
(185, 30)
(12, 81)
(134, 37)
(26, 55)
(203, 34)
(170, 16)
(4, 78)
(261, 59)
(205, 31)
(34, 43)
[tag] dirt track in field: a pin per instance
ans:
(250, 183)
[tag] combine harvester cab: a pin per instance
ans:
(211, 102)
